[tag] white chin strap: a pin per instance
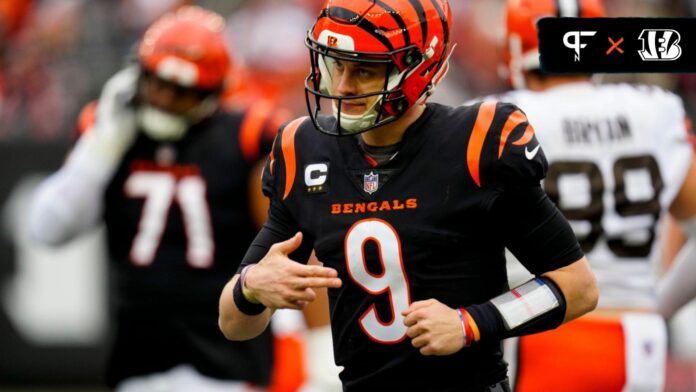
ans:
(160, 125)
(354, 123)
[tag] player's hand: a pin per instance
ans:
(279, 282)
(434, 327)
(99, 152)
(115, 125)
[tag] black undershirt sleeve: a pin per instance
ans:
(279, 227)
(534, 230)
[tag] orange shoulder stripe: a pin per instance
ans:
(87, 118)
(526, 137)
(484, 119)
(287, 144)
(272, 157)
(515, 119)
(252, 129)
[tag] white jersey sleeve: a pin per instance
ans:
(70, 201)
(618, 156)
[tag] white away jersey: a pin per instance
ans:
(617, 156)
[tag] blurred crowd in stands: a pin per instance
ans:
(55, 54)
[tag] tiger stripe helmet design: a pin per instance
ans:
(522, 43)
(410, 36)
(187, 47)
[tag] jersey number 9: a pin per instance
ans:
(392, 280)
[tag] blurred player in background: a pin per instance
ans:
(409, 210)
(169, 171)
(273, 50)
(678, 286)
(619, 160)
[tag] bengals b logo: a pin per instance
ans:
(660, 45)
(332, 42)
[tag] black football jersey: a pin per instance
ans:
(432, 222)
(178, 224)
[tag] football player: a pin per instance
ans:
(409, 206)
(168, 170)
(678, 286)
(619, 160)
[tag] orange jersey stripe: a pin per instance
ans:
(252, 129)
(515, 119)
(526, 137)
(484, 119)
(287, 144)
(271, 156)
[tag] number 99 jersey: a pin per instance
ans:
(618, 155)
(432, 222)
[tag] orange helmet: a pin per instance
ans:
(187, 47)
(13, 15)
(522, 43)
(410, 36)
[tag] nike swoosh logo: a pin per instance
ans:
(531, 154)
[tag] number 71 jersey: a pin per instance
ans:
(177, 214)
(618, 155)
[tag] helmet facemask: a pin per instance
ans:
(390, 102)
(169, 126)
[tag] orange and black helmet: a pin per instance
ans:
(187, 47)
(521, 40)
(410, 36)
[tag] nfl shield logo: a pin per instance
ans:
(371, 182)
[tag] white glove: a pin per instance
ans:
(115, 127)
(70, 201)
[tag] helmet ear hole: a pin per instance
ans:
(413, 57)
(396, 106)
(401, 105)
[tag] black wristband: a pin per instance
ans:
(488, 320)
(491, 324)
(244, 305)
